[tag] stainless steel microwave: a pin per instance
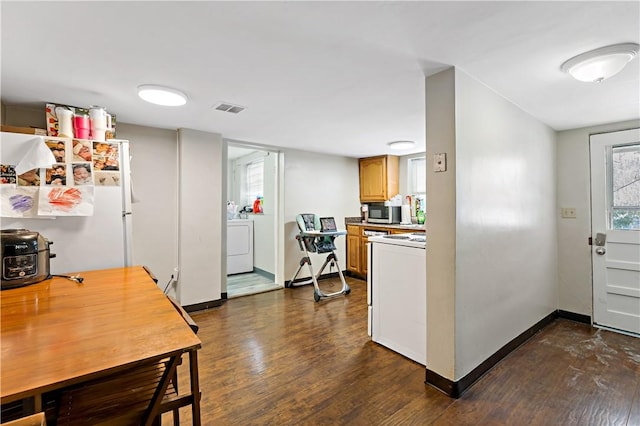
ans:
(379, 213)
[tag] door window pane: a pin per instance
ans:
(625, 187)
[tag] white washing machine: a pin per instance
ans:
(239, 246)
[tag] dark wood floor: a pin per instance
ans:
(279, 358)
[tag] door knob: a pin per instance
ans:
(601, 251)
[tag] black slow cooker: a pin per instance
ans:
(25, 257)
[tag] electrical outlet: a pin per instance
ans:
(569, 212)
(439, 162)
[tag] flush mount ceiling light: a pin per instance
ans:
(401, 144)
(599, 64)
(160, 95)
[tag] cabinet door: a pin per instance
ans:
(364, 253)
(353, 253)
(373, 179)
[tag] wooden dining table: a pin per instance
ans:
(58, 332)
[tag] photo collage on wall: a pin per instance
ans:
(67, 187)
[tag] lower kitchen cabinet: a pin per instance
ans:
(356, 251)
(353, 250)
(364, 255)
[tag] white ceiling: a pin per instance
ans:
(335, 77)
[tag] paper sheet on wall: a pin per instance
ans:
(38, 155)
(18, 201)
(66, 201)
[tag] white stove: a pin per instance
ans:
(417, 239)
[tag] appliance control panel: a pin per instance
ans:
(15, 267)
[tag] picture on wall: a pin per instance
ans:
(106, 156)
(58, 149)
(81, 150)
(56, 175)
(7, 174)
(29, 178)
(82, 174)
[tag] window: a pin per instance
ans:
(254, 180)
(625, 187)
(417, 180)
(417, 175)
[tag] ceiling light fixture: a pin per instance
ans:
(597, 65)
(401, 144)
(160, 95)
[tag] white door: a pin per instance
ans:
(615, 229)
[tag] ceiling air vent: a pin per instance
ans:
(227, 107)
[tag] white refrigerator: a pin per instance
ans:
(101, 240)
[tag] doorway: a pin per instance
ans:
(252, 218)
(615, 230)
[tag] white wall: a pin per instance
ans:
(491, 257)
(154, 171)
(441, 224)
(326, 185)
(574, 254)
(265, 258)
(506, 273)
(264, 249)
(202, 220)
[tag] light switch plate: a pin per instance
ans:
(568, 212)
(440, 162)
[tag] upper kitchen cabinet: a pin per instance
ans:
(378, 178)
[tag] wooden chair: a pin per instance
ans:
(124, 398)
(194, 327)
(185, 316)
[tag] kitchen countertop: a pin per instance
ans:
(407, 240)
(412, 227)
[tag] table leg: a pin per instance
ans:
(195, 387)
